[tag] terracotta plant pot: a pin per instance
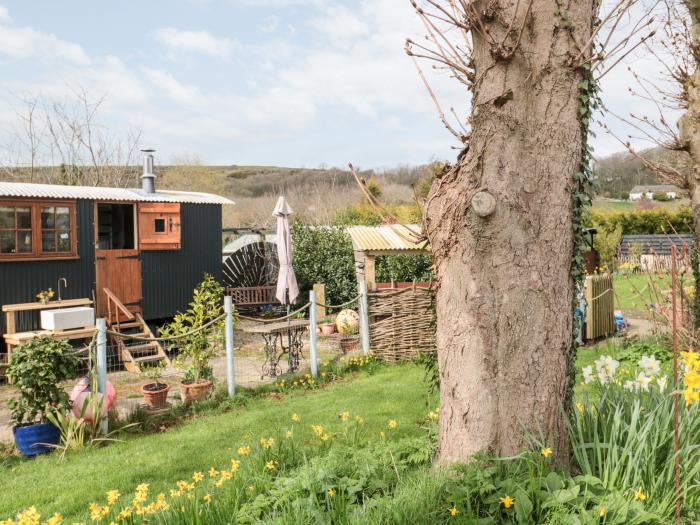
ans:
(327, 329)
(191, 391)
(155, 395)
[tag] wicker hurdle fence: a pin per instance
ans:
(401, 322)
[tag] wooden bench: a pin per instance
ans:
(253, 295)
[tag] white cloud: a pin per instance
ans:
(177, 91)
(24, 42)
(185, 41)
(5, 14)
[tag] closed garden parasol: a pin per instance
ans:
(287, 287)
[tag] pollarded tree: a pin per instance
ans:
(504, 222)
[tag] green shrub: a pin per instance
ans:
(37, 369)
(660, 196)
(402, 268)
(323, 254)
(197, 346)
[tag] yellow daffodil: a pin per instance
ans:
(546, 452)
(392, 424)
(453, 511)
(206, 498)
(197, 477)
(213, 472)
(360, 420)
(234, 465)
(330, 492)
(639, 495)
(112, 496)
(602, 511)
(243, 451)
(507, 501)
(296, 418)
(270, 465)
(289, 434)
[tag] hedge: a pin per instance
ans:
(647, 222)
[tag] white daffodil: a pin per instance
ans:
(588, 374)
(630, 385)
(650, 365)
(643, 381)
(606, 366)
(661, 381)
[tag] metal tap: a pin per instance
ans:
(65, 284)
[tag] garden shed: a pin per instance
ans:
(402, 317)
(143, 248)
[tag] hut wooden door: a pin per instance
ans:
(117, 260)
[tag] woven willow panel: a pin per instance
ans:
(402, 323)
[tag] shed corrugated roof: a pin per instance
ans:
(55, 191)
(654, 244)
(391, 237)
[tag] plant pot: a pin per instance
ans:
(191, 391)
(155, 395)
(327, 329)
(35, 439)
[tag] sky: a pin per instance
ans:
(267, 82)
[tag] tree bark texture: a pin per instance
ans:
(504, 285)
(689, 124)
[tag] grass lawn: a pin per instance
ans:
(634, 295)
(397, 392)
(616, 205)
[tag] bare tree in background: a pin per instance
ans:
(63, 141)
(503, 222)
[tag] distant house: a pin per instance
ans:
(639, 192)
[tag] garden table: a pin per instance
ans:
(273, 334)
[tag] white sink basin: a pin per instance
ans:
(67, 318)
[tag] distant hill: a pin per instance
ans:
(316, 194)
(618, 173)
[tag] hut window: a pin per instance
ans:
(159, 225)
(56, 231)
(37, 230)
(16, 230)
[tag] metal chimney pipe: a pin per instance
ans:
(148, 179)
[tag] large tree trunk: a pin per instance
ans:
(504, 297)
(689, 127)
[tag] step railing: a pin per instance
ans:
(115, 307)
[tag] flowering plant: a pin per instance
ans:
(44, 296)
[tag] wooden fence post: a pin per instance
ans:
(320, 291)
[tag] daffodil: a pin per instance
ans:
(639, 495)
(330, 492)
(453, 511)
(112, 496)
(546, 452)
(206, 498)
(270, 465)
(243, 451)
(506, 501)
(392, 424)
(296, 418)
(197, 477)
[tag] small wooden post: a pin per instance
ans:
(230, 375)
(102, 367)
(313, 341)
(320, 292)
(370, 278)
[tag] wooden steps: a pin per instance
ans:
(133, 352)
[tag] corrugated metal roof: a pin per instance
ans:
(397, 237)
(55, 191)
(654, 244)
